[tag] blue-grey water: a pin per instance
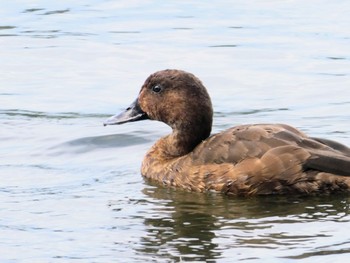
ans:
(71, 190)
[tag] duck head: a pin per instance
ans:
(174, 97)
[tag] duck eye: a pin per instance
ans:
(157, 88)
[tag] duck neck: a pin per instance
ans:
(167, 149)
(182, 141)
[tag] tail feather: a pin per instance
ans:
(328, 163)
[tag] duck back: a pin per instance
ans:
(256, 159)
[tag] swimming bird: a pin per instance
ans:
(256, 159)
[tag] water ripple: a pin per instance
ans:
(54, 12)
(31, 10)
(105, 141)
(49, 115)
(224, 45)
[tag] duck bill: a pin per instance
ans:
(132, 113)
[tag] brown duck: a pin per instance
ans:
(257, 159)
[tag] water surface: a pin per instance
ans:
(71, 189)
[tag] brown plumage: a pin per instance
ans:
(256, 159)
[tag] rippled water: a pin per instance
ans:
(70, 189)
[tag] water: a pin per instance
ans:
(70, 189)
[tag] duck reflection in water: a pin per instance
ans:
(258, 159)
(181, 225)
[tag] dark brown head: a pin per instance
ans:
(175, 97)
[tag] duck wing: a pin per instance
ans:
(328, 162)
(334, 145)
(270, 140)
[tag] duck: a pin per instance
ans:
(245, 160)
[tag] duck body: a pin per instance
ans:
(257, 159)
